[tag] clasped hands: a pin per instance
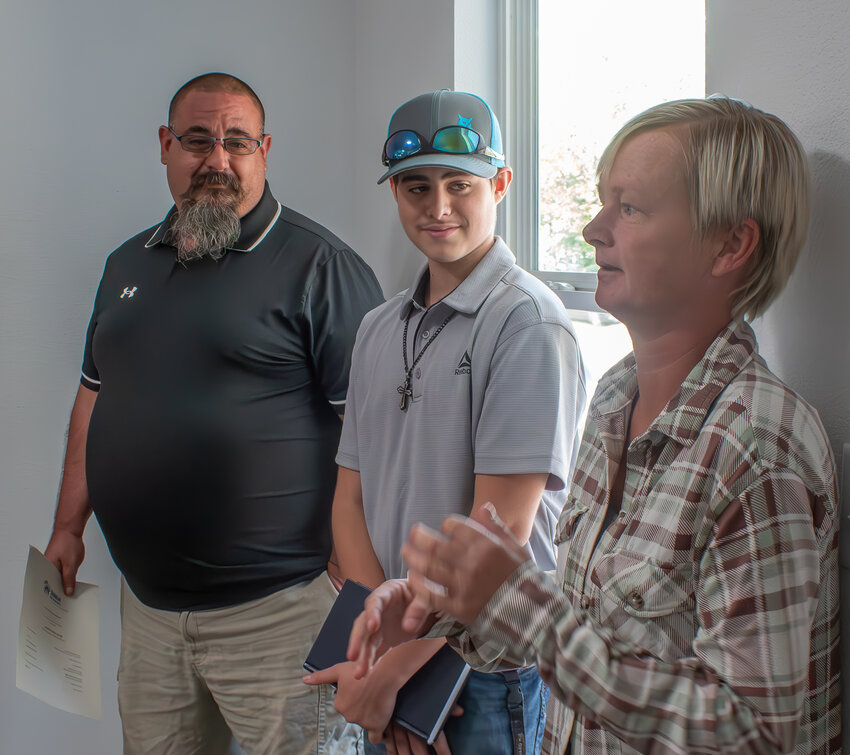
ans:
(453, 572)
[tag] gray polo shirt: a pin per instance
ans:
(501, 390)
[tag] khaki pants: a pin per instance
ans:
(186, 680)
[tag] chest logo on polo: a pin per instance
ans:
(128, 292)
(464, 366)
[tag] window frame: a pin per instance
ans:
(518, 63)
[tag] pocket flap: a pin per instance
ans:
(645, 588)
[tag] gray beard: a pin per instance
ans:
(204, 229)
(207, 225)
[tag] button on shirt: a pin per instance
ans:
(705, 618)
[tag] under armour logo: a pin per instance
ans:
(461, 121)
(129, 292)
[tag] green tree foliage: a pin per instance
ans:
(568, 201)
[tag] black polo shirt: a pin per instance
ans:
(210, 453)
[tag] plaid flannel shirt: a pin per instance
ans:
(705, 617)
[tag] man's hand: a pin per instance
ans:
(458, 571)
(380, 626)
(66, 552)
(65, 549)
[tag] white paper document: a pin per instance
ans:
(58, 648)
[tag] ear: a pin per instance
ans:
(738, 245)
(502, 180)
(166, 139)
(266, 146)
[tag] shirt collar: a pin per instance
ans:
(473, 291)
(734, 348)
(255, 224)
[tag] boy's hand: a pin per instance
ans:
(367, 702)
(399, 741)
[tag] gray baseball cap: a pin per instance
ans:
(444, 129)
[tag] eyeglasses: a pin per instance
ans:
(234, 145)
(455, 140)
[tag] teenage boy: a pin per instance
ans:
(466, 388)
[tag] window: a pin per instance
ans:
(574, 72)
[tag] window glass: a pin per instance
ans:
(600, 63)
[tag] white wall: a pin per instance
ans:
(402, 49)
(792, 59)
(476, 63)
(84, 87)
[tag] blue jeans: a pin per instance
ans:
(485, 725)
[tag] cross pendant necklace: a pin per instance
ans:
(404, 389)
(406, 393)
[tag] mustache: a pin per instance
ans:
(216, 178)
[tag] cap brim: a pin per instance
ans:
(467, 163)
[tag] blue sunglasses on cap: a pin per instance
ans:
(453, 140)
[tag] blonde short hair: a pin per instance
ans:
(740, 163)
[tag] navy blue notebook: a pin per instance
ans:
(424, 703)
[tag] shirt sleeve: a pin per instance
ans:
(743, 687)
(477, 650)
(533, 402)
(89, 375)
(343, 290)
(348, 454)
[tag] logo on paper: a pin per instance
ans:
(129, 293)
(464, 366)
(52, 595)
(461, 121)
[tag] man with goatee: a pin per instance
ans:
(203, 438)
